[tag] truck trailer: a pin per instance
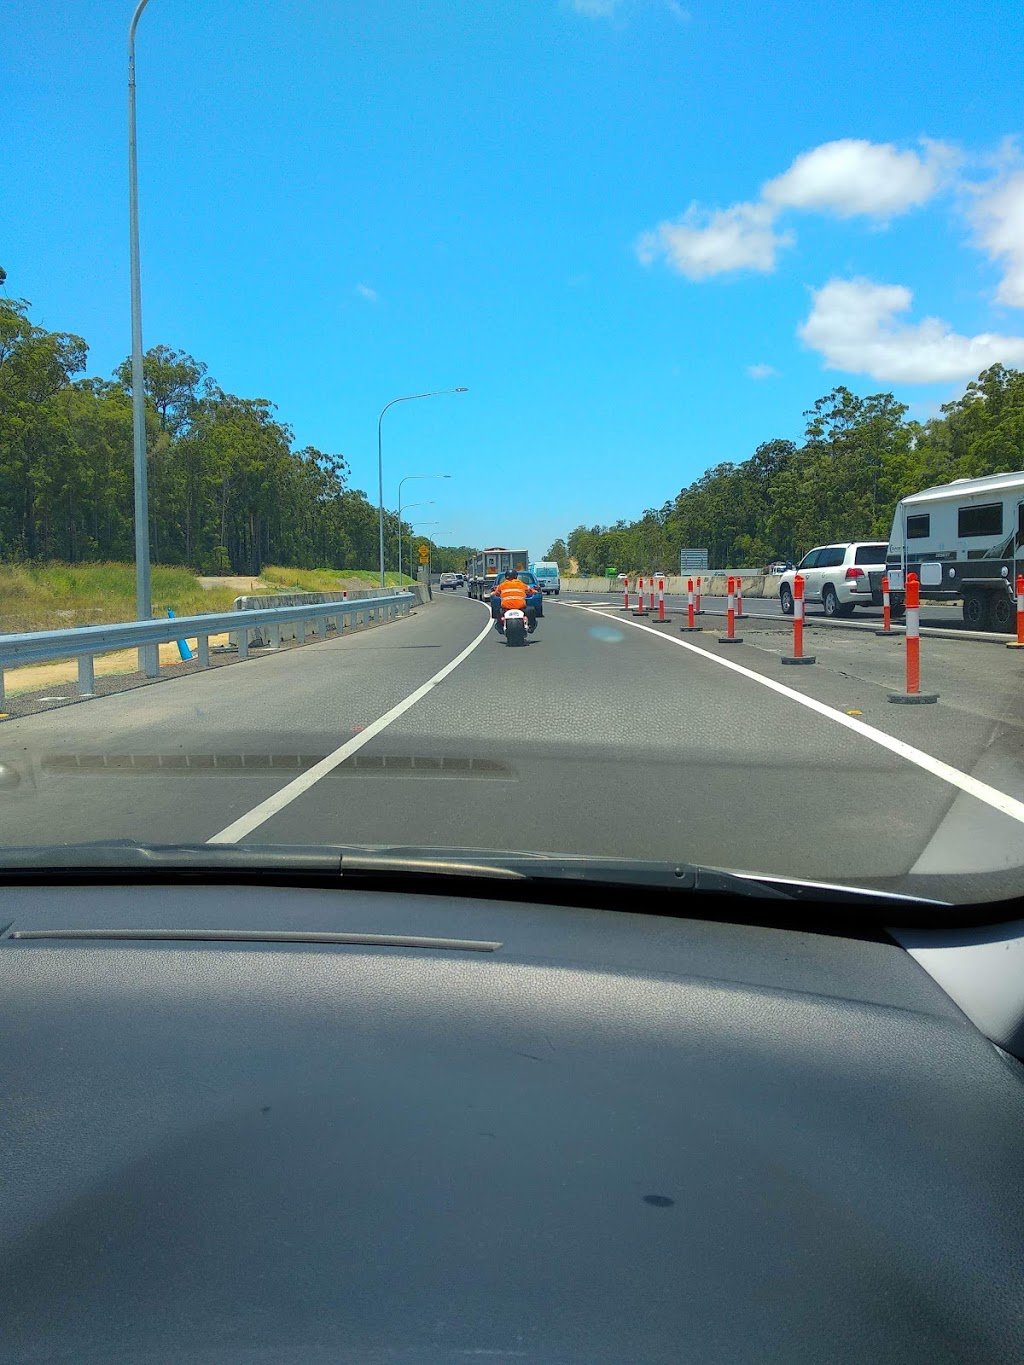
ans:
(964, 540)
(485, 568)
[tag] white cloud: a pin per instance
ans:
(365, 292)
(998, 217)
(595, 9)
(853, 325)
(853, 176)
(762, 372)
(707, 242)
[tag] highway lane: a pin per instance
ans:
(595, 739)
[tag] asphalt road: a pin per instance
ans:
(604, 736)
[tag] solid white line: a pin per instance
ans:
(245, 824)
(1006, 805)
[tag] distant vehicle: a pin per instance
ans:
(780, 566)
(547, 575)
(485, 568)
(963, 540)
(534, 594)
(460, 578)
(449, 580)
(840, 577)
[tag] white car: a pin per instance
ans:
(842, 576)
(449, 580)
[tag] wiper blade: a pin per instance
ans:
(414, 864)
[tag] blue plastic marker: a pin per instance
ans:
(183, 649)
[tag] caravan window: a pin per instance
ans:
(986, 520)
(919, 527)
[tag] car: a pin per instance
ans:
(460, 578)
(534, 596)
(840, 576)
(449, 580)
(781, 566)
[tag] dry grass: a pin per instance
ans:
(56, 596)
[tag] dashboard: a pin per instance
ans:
(267, 1123)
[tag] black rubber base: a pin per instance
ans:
(641, 613)
(1012, 644)
(803, 659)
(689, 630)
(725, 640)
(914, 698)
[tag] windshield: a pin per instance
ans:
(423, 292)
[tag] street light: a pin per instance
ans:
(407, 506)
(143, 590)
(407, 398)
(411, 504)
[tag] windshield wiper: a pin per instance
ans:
(414, 867)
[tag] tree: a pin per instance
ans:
(558, 554)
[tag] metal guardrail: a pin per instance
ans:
(85, 642)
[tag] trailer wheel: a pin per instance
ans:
(1002, 612)
(975, 608)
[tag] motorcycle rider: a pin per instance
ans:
(510, 595)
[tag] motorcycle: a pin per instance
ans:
(514, 625)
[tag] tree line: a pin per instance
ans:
(859, 456)
(228, 489)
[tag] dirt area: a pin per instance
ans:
(34, 677)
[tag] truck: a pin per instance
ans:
(964, 540)
(547, 575)
(485, 568)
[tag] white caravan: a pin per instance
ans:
(963, 540)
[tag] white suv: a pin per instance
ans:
(449, 580)
(840, 577)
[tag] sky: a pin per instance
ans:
(645, 235)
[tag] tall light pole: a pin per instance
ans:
(143, 590)
(410, 504)
(407, 398)
(407, 506)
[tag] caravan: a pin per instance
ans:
(963, 540)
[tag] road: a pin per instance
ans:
(604, 736)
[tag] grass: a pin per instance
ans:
(56, 596)
(326, 580)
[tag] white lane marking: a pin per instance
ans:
(998, 800)
(245, 824)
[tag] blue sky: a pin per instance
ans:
(645, 237)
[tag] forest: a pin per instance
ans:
(228, 489)
(858, 457)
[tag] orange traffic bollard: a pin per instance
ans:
(625, 594)
(689, 608)
(697, 607)
(661, 601)
(886, 613)
(913, 637)
(798, 656)
(739, 599)
(730, 637)
(639, 598)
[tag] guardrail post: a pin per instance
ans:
(3, 703)
(149, 660)
(300, 631)
(203, 650)
(275, 636)
(243, 644)
(86, 681)
(321, 627)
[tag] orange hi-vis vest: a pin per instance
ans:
(512, 592)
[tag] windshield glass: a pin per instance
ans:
(424, 292)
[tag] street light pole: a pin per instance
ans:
(407, 398)
(411, 504)
(143, 590)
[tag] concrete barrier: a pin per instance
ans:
(712, 585)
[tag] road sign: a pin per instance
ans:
(692, 561)
(424, 554)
